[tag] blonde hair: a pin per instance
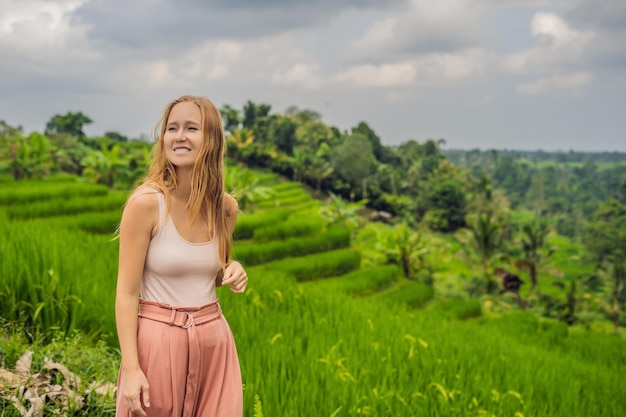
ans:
(207, 178)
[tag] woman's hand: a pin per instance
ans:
(135, 389)
(236, 277)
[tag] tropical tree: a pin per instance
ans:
(354, 162)
(613, 275)
(254, 113)
(240, 142)
(230, 117)
(106, 166)
(281, 131)
(30, 156)
(245, 186)
(446, 201)
(115, 136)
(338, 211)
(70, 123)
(481, 243)
(365, 130)
(447, 206)
(533, 240)
(6, 130)
(319, 167)
(404, 247)
(605, 234)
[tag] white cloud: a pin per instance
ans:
(424, 26)
(210, 60)
(303, 75)
(453, 66)
(558, 46)
(386, 75)
(570, 82)
(42, 31)
(377, 38)
(427, 70)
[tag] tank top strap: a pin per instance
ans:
(161, 200)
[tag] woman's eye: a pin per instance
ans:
(171, 129)
(193, 128)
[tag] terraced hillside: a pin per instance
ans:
(320, 331)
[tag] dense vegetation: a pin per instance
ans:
(388, 285)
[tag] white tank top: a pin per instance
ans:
(178, 272)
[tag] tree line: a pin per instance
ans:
(466, 194)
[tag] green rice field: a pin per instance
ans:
(323, 329)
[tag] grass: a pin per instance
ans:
(324, 334)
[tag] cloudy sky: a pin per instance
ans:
(514, 74)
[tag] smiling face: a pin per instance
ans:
(183, 137)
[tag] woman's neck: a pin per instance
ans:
(183, 185)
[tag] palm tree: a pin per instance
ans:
(482, 239)
(241, 142)
(30, 157)
(245, 187)
(533, 239)
(319, 167)
(105, 166)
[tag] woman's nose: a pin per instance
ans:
(180, 135)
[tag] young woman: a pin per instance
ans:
(178, 354)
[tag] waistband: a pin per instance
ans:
(184, 317)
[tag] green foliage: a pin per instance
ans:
(248, 224)
(361, 282)
(461, 309)
(405, 248)
(45, 291)
(368, 355)
(30, 156)
(320, 265)
(353, 161)
(246, 187)
(606, 233)
(481, 244)
(338, 211)
(613, 275)
(295, 226)
(448, 206)
(105, 167)
(409, 295)
(63, 206)
(69, 123)
(256, 253)
(33, 191)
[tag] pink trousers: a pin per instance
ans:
(189, 358)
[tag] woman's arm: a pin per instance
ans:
(234, 274)
(138, 223)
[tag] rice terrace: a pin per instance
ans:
(384, 281)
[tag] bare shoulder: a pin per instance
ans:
(141, 211)
(143, 199)
(230, 205)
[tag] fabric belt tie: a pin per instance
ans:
(186, 318)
